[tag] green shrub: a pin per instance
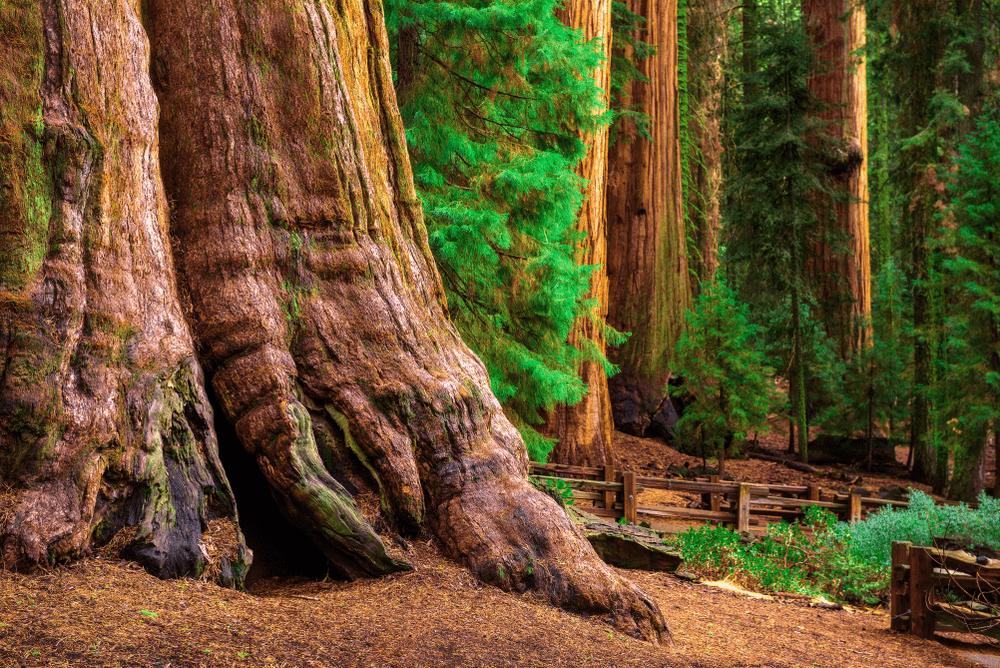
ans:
(847, 562)
(788, 559)
(871, 540)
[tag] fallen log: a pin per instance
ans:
(798, 466)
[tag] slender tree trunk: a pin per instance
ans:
(996, 462)
(837, 28)
(583, 432)
(750, 18)
(799, 374)
(304, 271)
(407, 61)
(649, 283)
(707, 48)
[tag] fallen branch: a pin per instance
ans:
(798, 466)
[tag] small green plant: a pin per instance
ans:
(849, 562)
(557, 488)
(148, 613)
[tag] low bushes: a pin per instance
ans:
(845, 562)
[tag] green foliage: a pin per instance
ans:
(725, 375)
(871, 540)
(557, 488)
(849, 562)
(873, 387)
(773, 221)
(786, 559)
(970, 273)
(494, 121)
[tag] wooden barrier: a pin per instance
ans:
(745, 505)
(919, 574)
(629, 492)
(610, 475)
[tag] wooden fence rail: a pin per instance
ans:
(920, 578)
(615, 495)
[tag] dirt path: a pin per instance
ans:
(97, 613)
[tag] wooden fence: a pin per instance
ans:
(921, 576)
(615, 494)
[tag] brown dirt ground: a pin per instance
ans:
(102, 611)
(652, 457)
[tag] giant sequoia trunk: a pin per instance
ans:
(706, 39)
(104, 420)
(303, 280)
(583, 431)
(649, 285)
(837, 28)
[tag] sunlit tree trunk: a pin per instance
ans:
(837, 28)
(583, 431)
(649, 283)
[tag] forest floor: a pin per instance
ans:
(102, 611)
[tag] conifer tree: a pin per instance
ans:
(772, 222)
(495, 110)
(723, 372)
(971, 272)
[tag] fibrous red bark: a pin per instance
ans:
(707, 47)
(837, 28)
(104, 421)
(313, 301)
(650, 288)
(583, 432)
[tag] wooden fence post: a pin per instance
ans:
(898, 585)
(814, 491)
(854, 513)
(631, 502)
(713, 500)
(921, 592)
(609, 496)
(743, 506)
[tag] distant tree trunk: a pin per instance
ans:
(969, 478)
(706, 41)
(304, 271)
(750, 17)
(921, 44)
(649, 283)
(837, 28)
(996, 462)
(583, 432)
